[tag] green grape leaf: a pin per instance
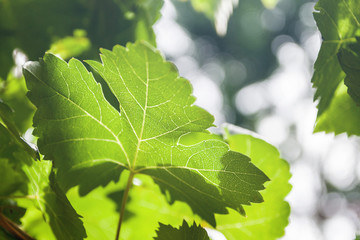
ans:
(166, 232)
(349, 58)
(339, 24)
(266, 221)
(86, 137)
(51, 200)
(342, 116)
(22, 177)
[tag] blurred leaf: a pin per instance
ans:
(166, 232)
(270, 4)
(71, 46)
(34, 222)
(106, 22)
(265, 221)
(342, 115)
(13, 93)
(218, 11)
(339, 24)
(99, 215)
(208, 7)
(149, 207)
(349, 58)
(12, 177)
(10, 209)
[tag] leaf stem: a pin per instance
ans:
(123, 203)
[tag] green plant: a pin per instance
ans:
(124, 138)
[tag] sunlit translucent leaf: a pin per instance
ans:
(339, 23)
(343, 115)
(268, 220)
(146, 208)
(57, 210)
(71, 46)
(34, 223)
(166, 232)
(87, 137)
(350, 62)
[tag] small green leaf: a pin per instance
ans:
(339, 24)
(71, 46)
(265, 221)
(185, 232)
(87, 137)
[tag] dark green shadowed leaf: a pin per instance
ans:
(339, 24)
(349, 59)
(87, 137)
(268, 220)
(166, 232)
(13, 93)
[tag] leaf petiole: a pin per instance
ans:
(123, 203)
